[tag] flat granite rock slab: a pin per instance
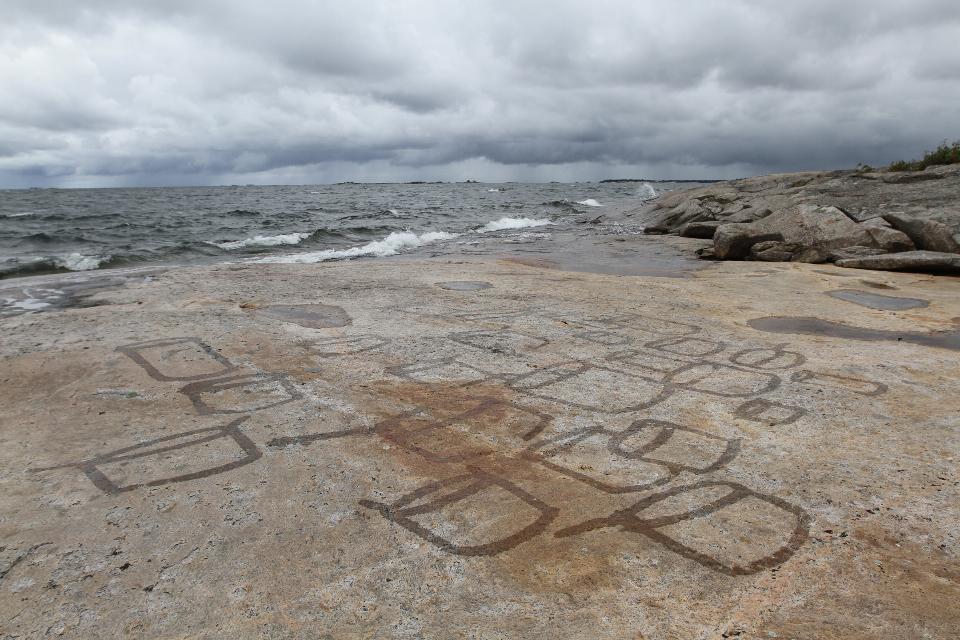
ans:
(567, 455)
(878, 301)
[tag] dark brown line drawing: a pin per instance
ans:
(768, 358)
(232, 430)
(351, 345)
(410, 371)
(505, 318)
(771, 381)
(196, 390)
(629, 520)
(667, 430)
(755, 409)
(604, 338)
(407, 429)
(310, 438)
(133, 351)
(399, 433)
(629, 320)
(475, 339)
(572, 370)
(461, 487)
(848, 383)
(639, 358)
(541, 453)
(669, 372)
(711, 347)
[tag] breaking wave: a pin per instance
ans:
(80, 262)
(263, 241)
(389, 246)
(512, 223)
(646, 191)
(589, 202)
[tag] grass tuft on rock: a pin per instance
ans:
(944, 154)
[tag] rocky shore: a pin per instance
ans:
(896, 221)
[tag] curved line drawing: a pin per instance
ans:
(629, 520)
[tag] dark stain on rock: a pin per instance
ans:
(877, 285)
(877, 301)
(464, 285)
(312, 316)
(818, 327)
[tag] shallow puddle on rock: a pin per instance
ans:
(819, 327)
(464, 285)
(312, 316)
(877, 301)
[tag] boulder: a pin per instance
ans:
(819, 230)
(747, 214)
(857, 251)
(890, 240)
(916, 261)
(774, 251)
(927, 235)
(734, 241)
(706, 253)
(704, 229)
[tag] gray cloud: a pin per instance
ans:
(171, 92)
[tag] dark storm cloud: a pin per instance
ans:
(120, 92)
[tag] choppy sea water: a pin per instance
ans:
(59, 230)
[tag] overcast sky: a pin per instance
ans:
(119, 92)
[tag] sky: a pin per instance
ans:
(187, 92)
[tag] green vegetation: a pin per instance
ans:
(944, 154)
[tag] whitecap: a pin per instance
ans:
(80, 262)
(590, 202)
(512, 223)
(263, 241)
(21, 215)
(26, 304)
(493, 190)
(646, 191)
(391, 245)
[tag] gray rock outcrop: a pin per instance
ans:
(927, 235)
(923, 261)
(734, 241)
(833, 216)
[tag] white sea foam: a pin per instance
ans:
(646, 191)
(27, 304)
(21, 215)
(590, 202)
(263, 241)
(80, 262)
(391, 245)
(525, 237)
(493, 190)
(512, 223)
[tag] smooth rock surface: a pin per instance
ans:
(918, 261)
(563, 455)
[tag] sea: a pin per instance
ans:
(61, 230)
